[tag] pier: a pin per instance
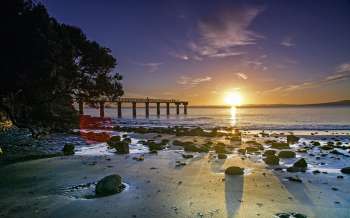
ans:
(134, 101)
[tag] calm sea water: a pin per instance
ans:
(288, 118)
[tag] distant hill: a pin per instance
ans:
(335, 103)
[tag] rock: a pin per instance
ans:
(242, 151)
(114, 139)
(252, 149)
(109, 185)
(345, 170)
(280, 145)
(316, 172)
(1, 152)
(220, 148)
(222, 156)
(269, 152)
(272, 160)
(140, 158)
(326, 147)
(299, 166)
(315, 143)
(301, 163)
(292, 139)
(340, 177)
(122, 147)
(234, 170)
(286, 154)
(187, 156)
(290, 215)
(128, 140)
(294, 179)
(68, 149)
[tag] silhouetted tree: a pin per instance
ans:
(46, 66)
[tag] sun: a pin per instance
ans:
(233, 98)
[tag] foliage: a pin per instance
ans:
(47, 65)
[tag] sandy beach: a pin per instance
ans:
(160, 186)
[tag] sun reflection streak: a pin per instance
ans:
(233, 118)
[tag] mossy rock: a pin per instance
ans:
(242, 151)
(280, 145)
(122, 147)
(327, 147)
(154, 146)
(128, 140)
(222, 156)
(301, 163)
(315, 143)
(269, 152)
(299, 166)
(345, 170)
(220, 148)
(187, 156)
(114, 139)
(68, 149)
(292, 139)
(286, 154)
(252, 149)
(109, 185)
(234, 170)
(272, 160)
(164, 141)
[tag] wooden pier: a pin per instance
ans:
(134, 101)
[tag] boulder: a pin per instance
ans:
(242, 151)
(280, 145)
(122, 147)
(299, 166)
(68, 149)
(269, 152)
(301, 163)
(109, 185)
(222, 156)
(345, 170)
(286, 154)
(292, 139)
(272, 160)
(252, 149)
(234, 170)
(187, 156)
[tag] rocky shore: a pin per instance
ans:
(176, 172)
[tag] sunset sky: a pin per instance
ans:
(268, 51)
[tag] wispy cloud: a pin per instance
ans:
(242, 76)
(151, 66)
(222, 32)
(191, 82)
(288, 42)
(342, 72)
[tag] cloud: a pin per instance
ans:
(151, 66)
(191, 82)
(288, 42)
(341, 73)
(221, 33)
(242, 76)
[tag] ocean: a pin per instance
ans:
(273, 118)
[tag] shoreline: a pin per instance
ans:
(178, 186)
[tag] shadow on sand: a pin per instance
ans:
(233, 194)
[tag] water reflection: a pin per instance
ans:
(233, 118)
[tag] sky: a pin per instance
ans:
(268, 52)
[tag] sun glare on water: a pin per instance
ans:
(233, 98)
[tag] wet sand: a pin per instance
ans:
(157, 188)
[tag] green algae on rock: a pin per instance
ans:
(109, 185)
(233, 170)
